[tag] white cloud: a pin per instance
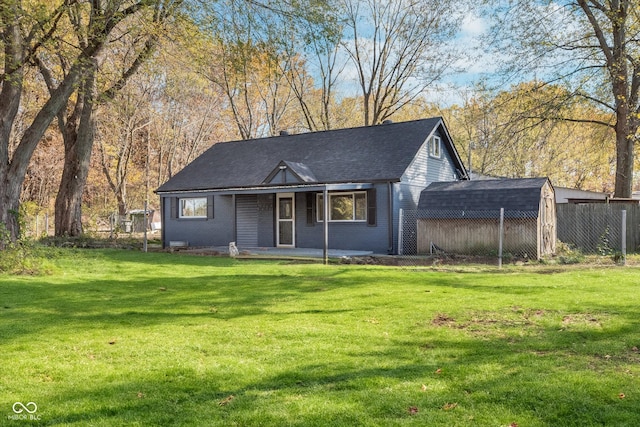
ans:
(473, 26)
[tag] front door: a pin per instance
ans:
(285, 219)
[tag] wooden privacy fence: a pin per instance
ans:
(598, 228)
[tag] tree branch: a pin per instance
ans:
(602, 40)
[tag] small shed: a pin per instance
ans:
(137, 220)
(463, 217)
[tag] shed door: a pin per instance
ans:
(247, 221)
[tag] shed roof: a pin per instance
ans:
(363, 154)
(521, 194)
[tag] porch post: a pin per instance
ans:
(500, 237)
(624, 237)
(234, 226)
(400, 231)
(325, 225)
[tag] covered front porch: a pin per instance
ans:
(284, 220)
(289, 220)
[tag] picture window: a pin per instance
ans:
(344, 207)
(193, 207)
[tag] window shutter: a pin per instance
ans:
(210, 207)
(371, 207)
(174, 207)
(310, 219)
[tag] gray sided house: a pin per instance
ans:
(463, 217)
(271, 192)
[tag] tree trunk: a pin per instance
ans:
(10, 96)
(122, 201)
(624, 136)
(13, 172)
(78, 145)
(624, 158)
(9, 206)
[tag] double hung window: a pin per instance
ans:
(435, 147)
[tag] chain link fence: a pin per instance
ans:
(600, 229)
(37, 226)
(604, 230)
(43, 224)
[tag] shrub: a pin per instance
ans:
(567, 254)
(22, 258)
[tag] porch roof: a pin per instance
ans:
(295, 188)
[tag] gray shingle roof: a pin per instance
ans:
(364, 154)
(522, 194)
(302, 171)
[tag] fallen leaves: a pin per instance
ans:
(449, 406)
(413, 410)
(621, 396)
(226, 400)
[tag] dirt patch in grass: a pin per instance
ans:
(491, 323)
(420, 261)
(580, 318)
(443, 320)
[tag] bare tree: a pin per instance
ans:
(314, 62)
(249, 67)
(398, 49)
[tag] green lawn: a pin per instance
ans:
(122, 338)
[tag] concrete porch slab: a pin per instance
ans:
(294, 252)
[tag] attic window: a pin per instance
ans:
(435, 147)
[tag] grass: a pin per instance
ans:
(121, 338)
